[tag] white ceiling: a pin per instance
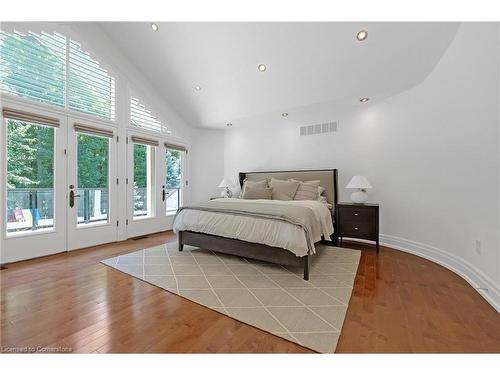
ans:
(308, 64)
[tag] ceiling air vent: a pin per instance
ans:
(327, 127)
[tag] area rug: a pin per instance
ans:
(273, 298)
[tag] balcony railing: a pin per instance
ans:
(30, 209)
(92, 205)
(33, 208)
(173, 199)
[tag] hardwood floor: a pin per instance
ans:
(400, 303)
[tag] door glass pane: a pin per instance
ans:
(93, 179)
(174, 178)
(142, 180)
(30, 177)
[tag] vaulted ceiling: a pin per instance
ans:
(308, 64)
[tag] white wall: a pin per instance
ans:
(431, 153)
(207, 164)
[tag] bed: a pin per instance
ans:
(282, 232)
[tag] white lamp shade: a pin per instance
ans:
(359, 182)
(226, 182)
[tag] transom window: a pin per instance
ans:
(91, 88)
(142, 117)
(35, 66)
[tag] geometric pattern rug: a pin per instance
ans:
(271, 297)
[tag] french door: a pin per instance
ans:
(58, 187)
(144, 174)
(156, 183)
(33, 191)
(92, 184)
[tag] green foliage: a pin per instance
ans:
(140, 165)
(173, 161)
(92, 161)
(29, 155)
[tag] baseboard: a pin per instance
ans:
(476, 278)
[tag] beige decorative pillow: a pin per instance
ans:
(307, 190)
(283, 190)
(255, 184)
(257, 193)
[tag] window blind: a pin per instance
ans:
(90, 88)
(145, 141)
(33, 66)
(175, 147)
(142, 117)
(15, 114)
(81, 128)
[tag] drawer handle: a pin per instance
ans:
(356, 214)
(356, 228)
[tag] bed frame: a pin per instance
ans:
(328, 178)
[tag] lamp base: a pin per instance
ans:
(359, 196)
(226, 193)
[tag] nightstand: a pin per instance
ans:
(358, 221)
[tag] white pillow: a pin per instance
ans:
(308, 190)
(283, 190)
(257, 193)
(253, 184)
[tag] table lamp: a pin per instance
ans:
(226, 183)
(360, 183)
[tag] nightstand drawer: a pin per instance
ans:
(356, 214)
(358, 229)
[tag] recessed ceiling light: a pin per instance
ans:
(284, 114)
(169, 131)
(262, 68)
(362, 35)
(364, 100)
(197, 88)
(154, 27)
(229, 124)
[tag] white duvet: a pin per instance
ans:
(270, 232)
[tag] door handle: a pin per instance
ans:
(72, 197)
(163, 194)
